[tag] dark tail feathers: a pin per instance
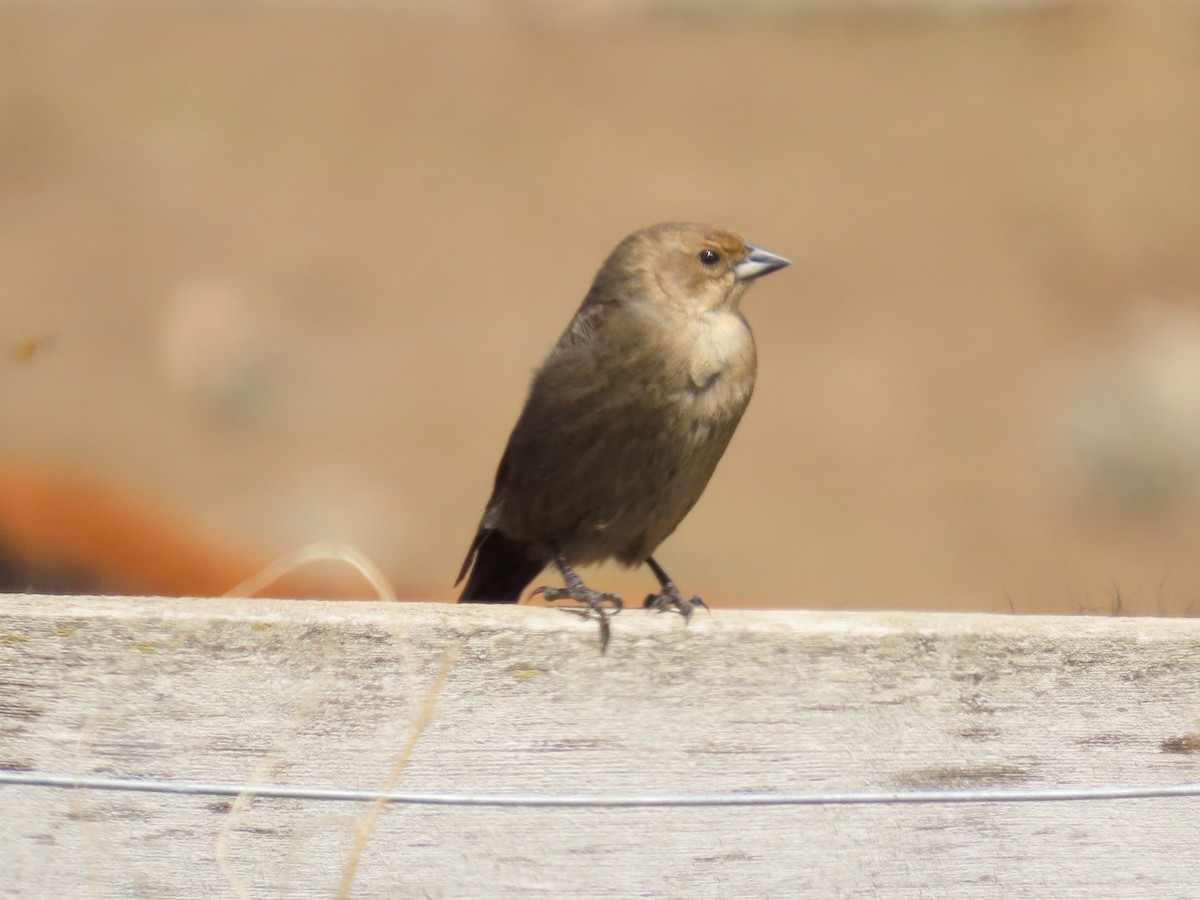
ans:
(501, 570)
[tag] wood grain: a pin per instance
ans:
(315, 693)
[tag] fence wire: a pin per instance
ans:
(424, 798)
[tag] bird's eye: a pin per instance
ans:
(708, 257)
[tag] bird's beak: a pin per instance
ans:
(756, 262)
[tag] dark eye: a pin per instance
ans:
(708, 257)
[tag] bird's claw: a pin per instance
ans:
(592, 599)
(670, 599)
(594, 604)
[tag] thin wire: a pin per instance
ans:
(803, 798)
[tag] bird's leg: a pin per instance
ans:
(669, 597)
(579, 592)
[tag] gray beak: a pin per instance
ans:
(756, 262)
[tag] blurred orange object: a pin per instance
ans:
(62, 533)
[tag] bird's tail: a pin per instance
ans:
(500, 568)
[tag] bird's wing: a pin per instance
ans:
(588, 322)
(584, 327)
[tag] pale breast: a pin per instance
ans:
(721, 365)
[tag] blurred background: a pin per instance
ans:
(275, 273)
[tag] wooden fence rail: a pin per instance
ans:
(518, 700)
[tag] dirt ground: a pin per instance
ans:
(288, 272)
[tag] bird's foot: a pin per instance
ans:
(670, 599)
(594, 604)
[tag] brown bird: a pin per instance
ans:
(625, 420)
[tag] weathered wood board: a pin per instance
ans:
(323, 694)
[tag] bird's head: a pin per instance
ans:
(693, 267)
